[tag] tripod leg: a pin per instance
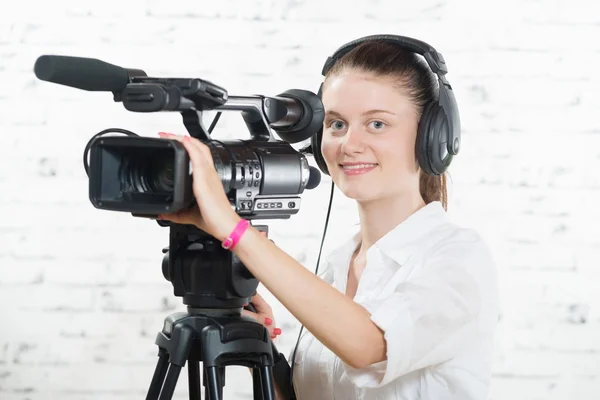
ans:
(266, 375)
(205, 384)
(170, 382)
(159, 375)
(221, 380)
(222, 377)
(213, 384)
(194, 380)
(182, 336)
(257, 384)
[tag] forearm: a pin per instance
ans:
(335, 320)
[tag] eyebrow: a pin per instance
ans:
(337, 114)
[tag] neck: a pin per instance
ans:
(379, 217)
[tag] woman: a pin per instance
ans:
(407, 307)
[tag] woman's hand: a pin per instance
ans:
(263, 315)
(213, 213)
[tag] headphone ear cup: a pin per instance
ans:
(423, 141)
(315, 144)
(440, 158)
(432, 140)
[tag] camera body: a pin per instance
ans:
(150, 176)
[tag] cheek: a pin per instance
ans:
(400, 154)
(329, 148)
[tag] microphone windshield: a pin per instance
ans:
(81, 73)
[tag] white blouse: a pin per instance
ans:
(431, 286)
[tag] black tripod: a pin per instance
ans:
(214, 285)
(216, 341)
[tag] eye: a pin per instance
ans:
(378, 124)
(336, 125)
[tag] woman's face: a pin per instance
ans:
(369, 137)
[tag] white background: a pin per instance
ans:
(82, 294)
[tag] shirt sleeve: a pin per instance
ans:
(326, 273)
(430, 317)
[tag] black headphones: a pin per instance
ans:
(438, 135)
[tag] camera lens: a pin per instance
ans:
(132, 177)
(161, 177)
(149, 176)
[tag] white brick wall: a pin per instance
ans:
(81, 290)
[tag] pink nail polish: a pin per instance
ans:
(268, 321)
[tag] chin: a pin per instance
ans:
(358, 191)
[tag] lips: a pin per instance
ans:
(358, 168)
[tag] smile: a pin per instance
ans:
(358, 169)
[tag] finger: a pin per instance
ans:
(180, 217)
(261, 305)
(192, 145)
(169, 217)
(172, 136)
(202, 147)
(275, 333)
(263, 319)
(168, 135)
(257, 317)
(247, 313)
(195, 154)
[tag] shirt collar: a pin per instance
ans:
(399, 242)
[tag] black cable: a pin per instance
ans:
(316, 272)
(128, 133)
(104, 132)
(214, 122)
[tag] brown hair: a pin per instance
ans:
(413, 78)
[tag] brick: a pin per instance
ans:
(28, 272)
(3, 353)
(550, 364)
(93, 325)
(479, 65)
(47, 297)
(563, 338)
(84, 350)
(140, 298)
(557, 12)
(528, 387)
(90, 381)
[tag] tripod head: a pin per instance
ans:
(203, 273)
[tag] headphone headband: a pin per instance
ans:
(434, 59)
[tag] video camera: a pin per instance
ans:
(263, 178)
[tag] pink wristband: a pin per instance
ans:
(235, 235)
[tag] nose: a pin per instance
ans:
(353, 141)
